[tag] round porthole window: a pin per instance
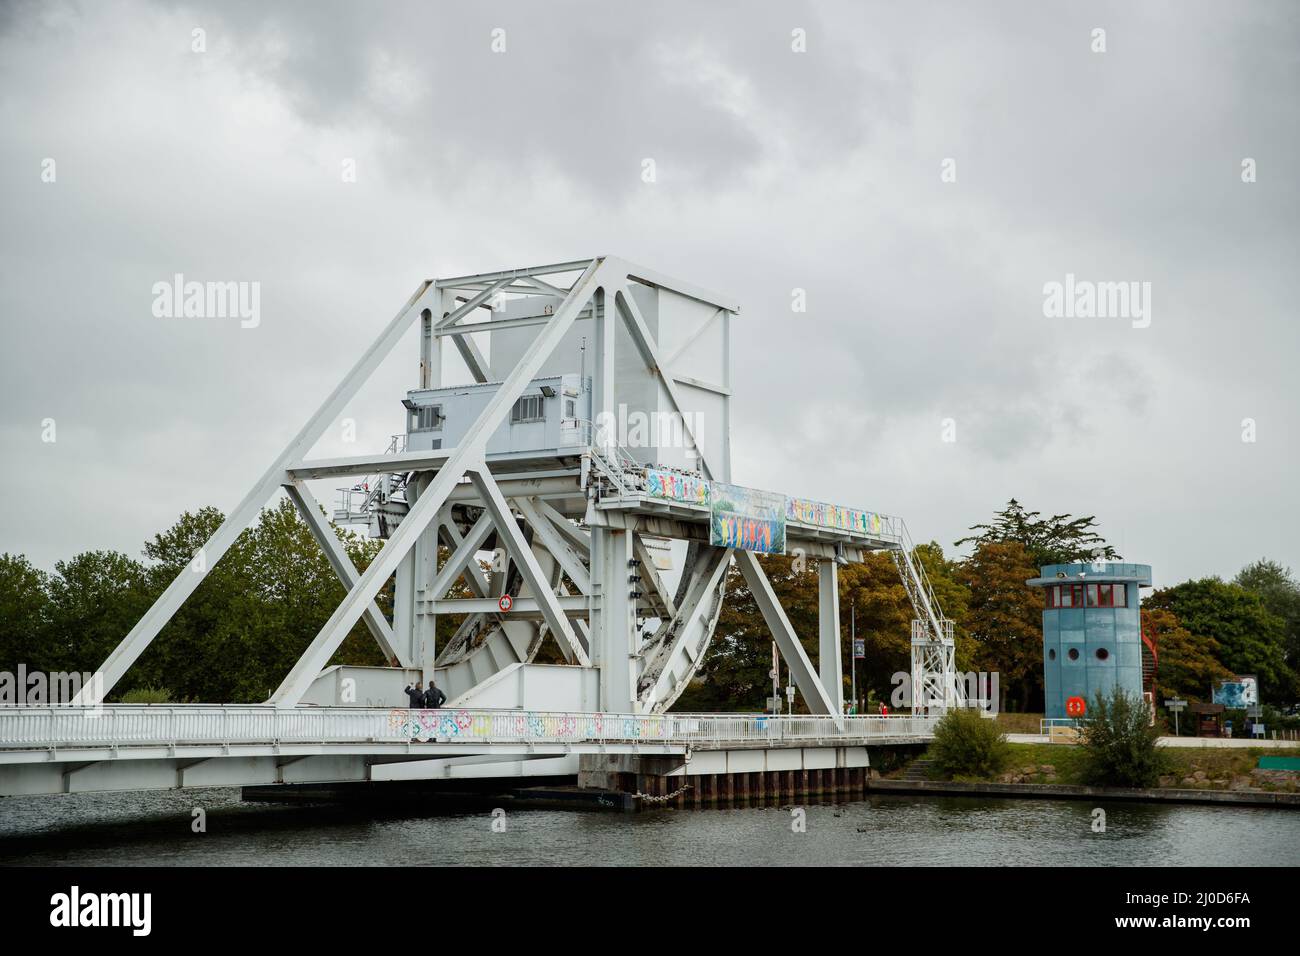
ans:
(1074, 653)
(1102, 653)
(1051, 655)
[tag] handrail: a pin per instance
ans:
(125, 725)
(380, 487)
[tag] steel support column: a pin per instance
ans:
(830, 663)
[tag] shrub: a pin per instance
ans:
(967, 744)
(1119, 743)
(147, 695)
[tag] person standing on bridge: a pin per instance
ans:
(433, 697)
(416, 695)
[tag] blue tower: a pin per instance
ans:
(1092, 631)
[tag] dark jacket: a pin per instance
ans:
(417, 696)
(433, 697)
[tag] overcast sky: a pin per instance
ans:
(776, 170)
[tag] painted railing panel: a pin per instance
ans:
(134, 725)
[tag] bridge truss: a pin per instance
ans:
(578, 533)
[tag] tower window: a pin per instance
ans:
(1074, 654)
(1107, 595)
(1102, 654)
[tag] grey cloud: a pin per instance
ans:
(776, 170)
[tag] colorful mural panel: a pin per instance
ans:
(746, 518)
(825, 515)
(676, 486)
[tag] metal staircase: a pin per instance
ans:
(935, 687)
(1150, 660)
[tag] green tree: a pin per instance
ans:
(24, 614)
(884, 622)
(1188, 664)
(1060, 539)
(254, 613)
(1120, 744)
(1005, 619)
(1250, 638)
(95, 599)
(1280, 594)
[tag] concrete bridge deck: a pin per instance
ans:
(142, 747)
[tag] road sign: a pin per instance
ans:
(859, 649)
(506, 602)
(1076, 706)
(1176, 704)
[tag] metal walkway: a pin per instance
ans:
(144, 747)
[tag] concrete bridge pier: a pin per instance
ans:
(731, 778)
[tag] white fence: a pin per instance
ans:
(126, 725)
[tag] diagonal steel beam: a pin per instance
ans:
(685, 624)
(339, 560)
(183, 585)
(805, 675)
(550, 536)
(331, 635)
(650, 573)
(508, 531)
(546, 287)
(474, 360)
(467, 456)
(462, 559)
(578, 539)
(454, 317)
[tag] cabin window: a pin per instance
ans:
(426, 418)
(529, 408)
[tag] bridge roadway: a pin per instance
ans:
(61, 749)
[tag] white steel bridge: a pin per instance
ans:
(611, 539)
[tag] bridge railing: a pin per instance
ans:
(127, 725)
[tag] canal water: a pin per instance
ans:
(886, 831)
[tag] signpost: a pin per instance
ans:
(775, 675)
(859, 651)
(1177, 705)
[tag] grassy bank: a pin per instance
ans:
(1191, 768)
